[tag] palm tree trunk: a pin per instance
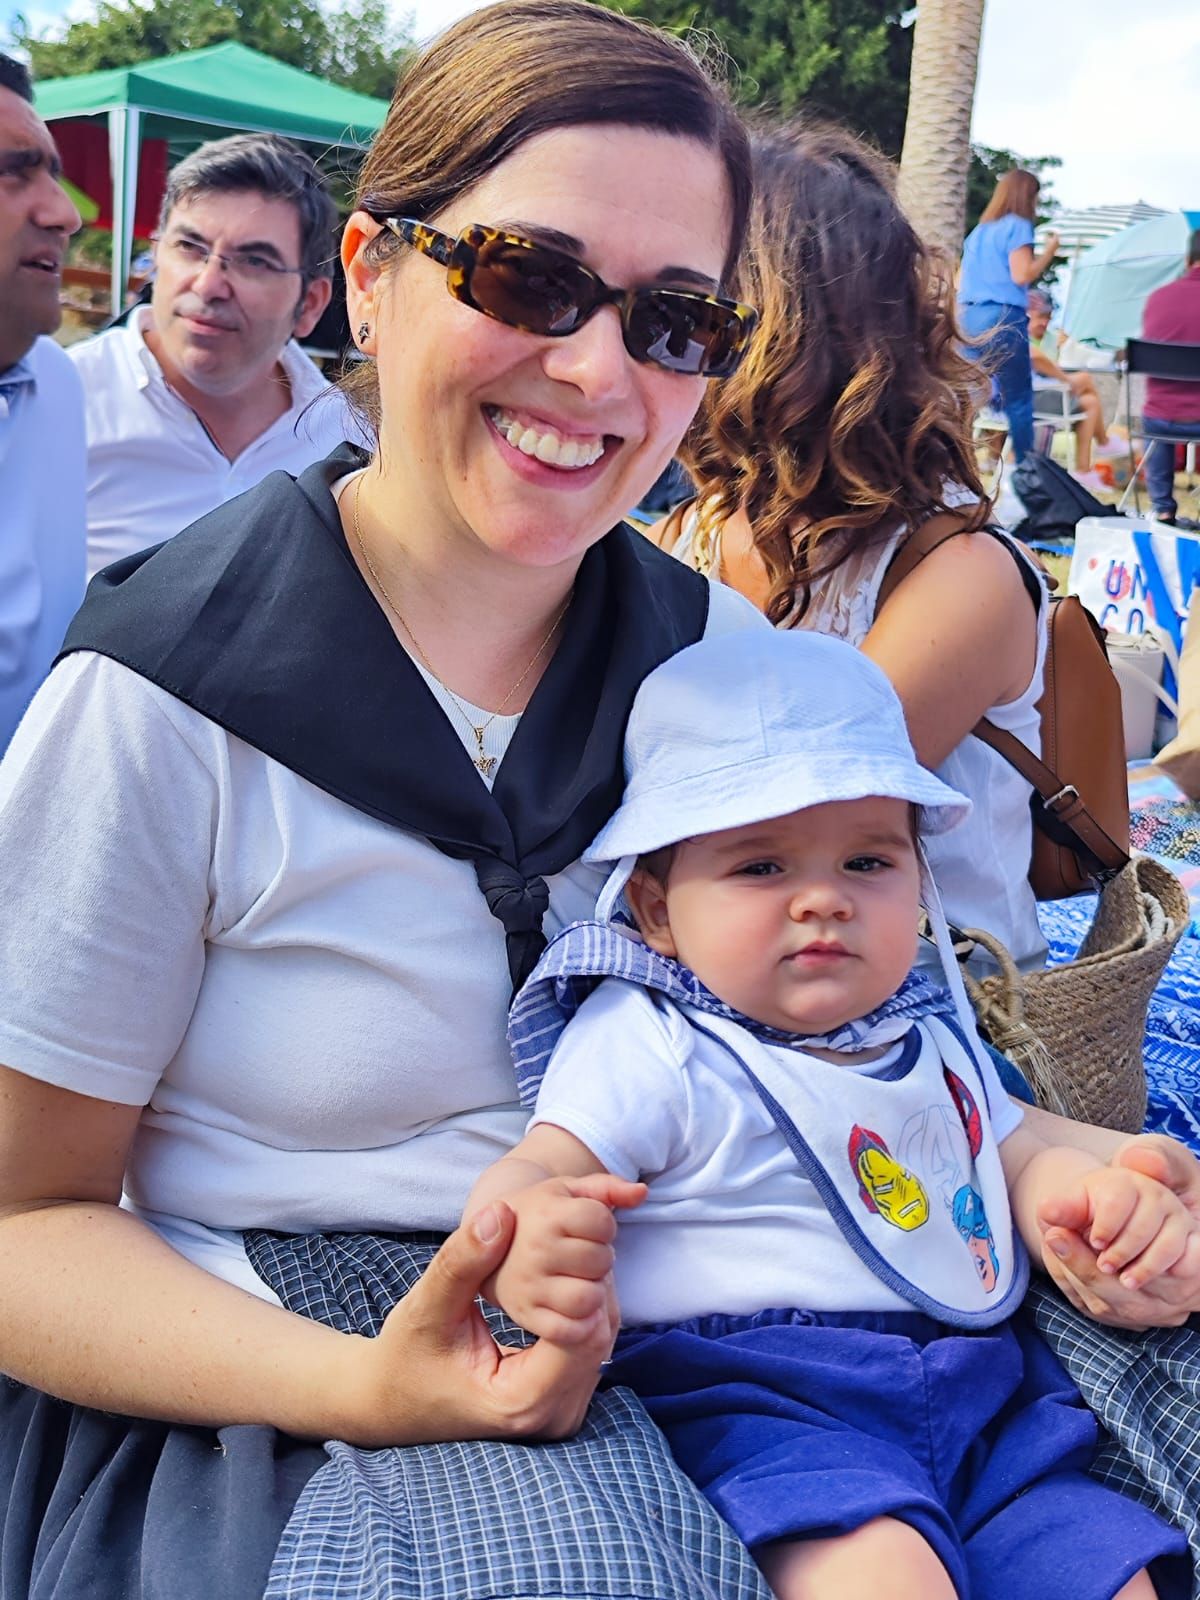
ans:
(937, 149)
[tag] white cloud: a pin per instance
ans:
(1106, 86)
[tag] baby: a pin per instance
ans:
(822, 1269)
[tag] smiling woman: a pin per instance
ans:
(319, 773)
(587, 393)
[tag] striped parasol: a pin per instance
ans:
(1087, 225)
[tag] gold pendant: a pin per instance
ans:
(484, 763)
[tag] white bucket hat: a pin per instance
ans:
(753, 725)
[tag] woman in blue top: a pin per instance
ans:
(998, 265)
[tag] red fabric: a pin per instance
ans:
(83, 146)
(1172, 316)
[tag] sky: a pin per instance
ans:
(1108, 85)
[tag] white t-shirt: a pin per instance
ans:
(731, 1224)
(309, 1003)
(981, 867)
(153, 470)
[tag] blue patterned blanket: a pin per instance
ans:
(1167, 826)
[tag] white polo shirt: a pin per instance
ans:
(152, 468)
(42, 527)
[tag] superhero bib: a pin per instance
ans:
(906, 1164)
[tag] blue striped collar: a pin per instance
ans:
(576, 960)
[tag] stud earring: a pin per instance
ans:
(364, 329)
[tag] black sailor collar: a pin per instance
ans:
(258, 617)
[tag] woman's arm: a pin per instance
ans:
(957, 636)
(99, 1310)
(1027, 268)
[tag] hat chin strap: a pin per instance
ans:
(932, 901)
(613, 889)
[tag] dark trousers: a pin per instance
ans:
(1005, 353)
(1160, 463)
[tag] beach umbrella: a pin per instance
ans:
(1111, 281)
(1080, 228)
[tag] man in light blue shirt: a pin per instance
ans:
(42, 447)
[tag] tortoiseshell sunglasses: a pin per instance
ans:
(545, 291)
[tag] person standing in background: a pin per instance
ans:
(41, 407)
(998, 266)
(1171, 410)
(203, 392)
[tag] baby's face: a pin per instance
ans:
(803, 922)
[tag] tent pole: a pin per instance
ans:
(124, 145)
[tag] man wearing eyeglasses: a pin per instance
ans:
(41, 407)
(204, 391)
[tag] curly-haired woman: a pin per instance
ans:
(846, 428)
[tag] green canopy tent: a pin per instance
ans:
(221, 89)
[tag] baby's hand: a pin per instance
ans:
(556, 1280)
(1137, 1227)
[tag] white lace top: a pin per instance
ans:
(981, 866)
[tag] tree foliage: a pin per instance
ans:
(846, 59)
(357, 45)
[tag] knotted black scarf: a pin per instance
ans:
(258, 618)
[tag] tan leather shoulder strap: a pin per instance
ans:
(937, 530)
(1060, 799)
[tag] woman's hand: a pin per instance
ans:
(1167, 1300)
(435, 1373)
(1136, 1226)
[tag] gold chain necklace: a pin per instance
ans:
(483, 762)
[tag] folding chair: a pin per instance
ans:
(1052, 413)
(1054, 403)
(1173, 362)
(989, 426)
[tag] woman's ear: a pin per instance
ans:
(647, 899)
(362, 279)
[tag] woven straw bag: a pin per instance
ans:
(1076, 1030)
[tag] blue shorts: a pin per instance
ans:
(801, 1424)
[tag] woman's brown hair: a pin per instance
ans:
(852, 410)
(511, 71)
(1016, 195)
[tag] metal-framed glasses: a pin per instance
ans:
(252, 268)
(543, 290)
